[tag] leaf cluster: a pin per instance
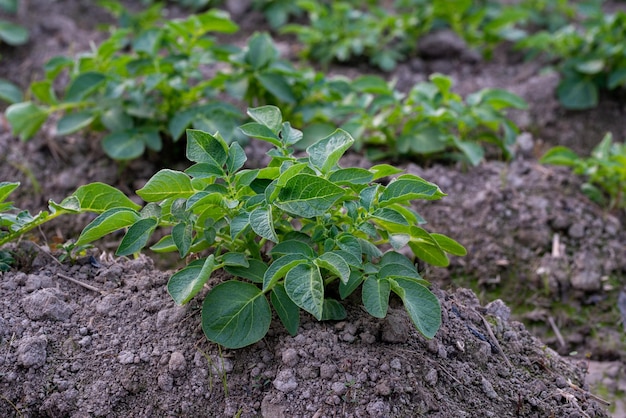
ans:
(604, 171)
(14, 35)
(431, 120)
(293, 233)
(591, 57)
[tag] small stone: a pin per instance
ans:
(560, 382)
(285, 381)
(383, 388)
(431, 377)
(126, 357)
(45, 304)
(165, 382)
(488, 389)
(32, 351)
(339, 388)
(395, 329)
(290, 357)
(395, 364)
(327, 371)
(378, 409)
(177, 364)
(587, 280)
(32, 283)
(498, 309)
(577, 230)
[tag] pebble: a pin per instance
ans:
(177, 364)
(165, 382)
(327, 371)
(290, 357)
(32, 351)
(45, 304)
(488, 389)
(285, 381)
(126, 357)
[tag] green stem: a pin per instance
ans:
(42, 218)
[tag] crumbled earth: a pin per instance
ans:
(535, 244)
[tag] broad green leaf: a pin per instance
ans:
(325, 154)
(280, 267)
(205, 170)
(560, 155)
(26, 118)
(261, 51)
(268, 116)
(333, 311)
(577, 93)
(307, 196)
(426, 248)
(375, 296)
(9, 92)
(346, 289)
(148, 41)
(238, 224)
(99, 197)
(74, 122)
(353, 175)
(116, 119)
(292, 246)
(593, 66)
(166, 184)
(278, 86)
(6, 188)
(422, 306)
(384, 170)
(235, 314)
(409, 187)
(235, 260)
(236, 158)
(43, 90)
(109, 221)
(288, 312)
(259, 131)
(350, 244)
(389, 215)
(70, 204)
(164, 245)
(254, 272)
(123, 145)
(394, 264)
(305, 288)
(137, 237)
(473, 151)
(501, 99)
(616, 78)
(12, 33)
(371, 84)
(83, 85)
(289, 135)
(334, 263)
(449, 245)
(186, 283)
(182, 234)
(262, 223)
(205, 148)
(399, 241)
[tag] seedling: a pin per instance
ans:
(293, 234)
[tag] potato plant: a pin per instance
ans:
(295, 234)
(604, 171)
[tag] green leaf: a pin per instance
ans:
(371, 84)
(333, 311)
(9, 92)
(305, 288)
(384, 170)
(577, 93)
(334, 263)
(560, 155)
(262, 223)
(268, 116)
(166, 184)
(325, 154)
(292, 246)
(261, 51)
(236, 158)
(394, 264)
(307, 196)
(164, 245)
(13, 34)
(278, 86)
(124, 145)
(205, 148)
(593, 66)
(83, 85)
(26, 118)
(375, 296)
(449, 245)
(280, 267)
(473, 151)
(353, 175)
(426, 248)
(74, 122)
(388, 215)
(256, 130)
(182, 234)
(616, 78)
(235, 314)
(501, 99)
(137, 237)
(409, 187)
(109, 221)
(186, 283)
(6, 188)
(422, 306)
(288, 312)
(346, 289)
(254, 272)
(99, 197)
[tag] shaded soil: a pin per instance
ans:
(534, 242)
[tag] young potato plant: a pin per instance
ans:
(295, 234)
(590, 59)
(433, 120)
(14, 223)
(135, 85)
(11, 34)
(604, 170)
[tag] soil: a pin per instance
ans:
(540, 333)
